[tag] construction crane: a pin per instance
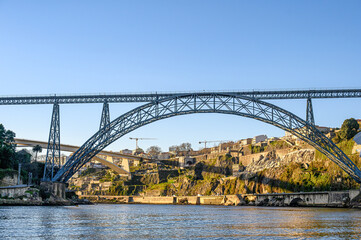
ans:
(205, 142)
(136, 140)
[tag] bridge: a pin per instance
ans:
(99, 158)
(164, 105)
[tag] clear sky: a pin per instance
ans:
(55, 47)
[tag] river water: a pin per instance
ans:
(178, 222)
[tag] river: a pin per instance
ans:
(105, 221)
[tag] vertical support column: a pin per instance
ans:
(105, 119)
(309, 112)
(19, 173)
(52, 162)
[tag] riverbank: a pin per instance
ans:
(340, 199)
(40, 202)
(48, 194)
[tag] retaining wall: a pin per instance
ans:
(13, 191)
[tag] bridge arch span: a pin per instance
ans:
(206, 103)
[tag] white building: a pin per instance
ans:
(259, 138)
(126, 151)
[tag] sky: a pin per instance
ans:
(70, 47)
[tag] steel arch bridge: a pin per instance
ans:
(206, 103)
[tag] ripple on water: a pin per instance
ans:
(177, 222)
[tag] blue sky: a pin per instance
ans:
(55, 47)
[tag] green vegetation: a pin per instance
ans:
(7, 172)
(279, 144)
(213, 176)
(7, 149)
(10, 159)
(184, 147)
(256, 149)
(322, 174)
(88, 171)
(154, 151)
(37, 149)
(117, 189)
(348, 130)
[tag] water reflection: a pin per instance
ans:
(177, 222)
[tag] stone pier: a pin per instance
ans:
(55, 188)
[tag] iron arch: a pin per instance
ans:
(206, 103)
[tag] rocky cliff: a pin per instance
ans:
(298, 170)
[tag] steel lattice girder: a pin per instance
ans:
(52, 161)
(207, 103)
(105, 119)
(148, 97)
(309, 112)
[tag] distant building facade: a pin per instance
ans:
(259, 138)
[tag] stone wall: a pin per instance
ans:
(153, 200)
(248, 159)
(322, 199)
(13, 192)
(10, 180)
(55, 188)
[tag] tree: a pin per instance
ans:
(348, 129)
(6, 137)
(7, 148)
(174, 148)
(36, 150)
(154, 150)
(185, 147)
(181, 148)
(23, 156)
(139, 151)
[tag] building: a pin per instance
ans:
(63, 159)
(259, 138)
(186, 161)
(126, 151)
(245, 141)
(272, 139)
(164, 156)
(324, 130)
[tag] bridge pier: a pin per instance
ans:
(52, 161)
(57, 189)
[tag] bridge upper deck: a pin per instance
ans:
(148, 97)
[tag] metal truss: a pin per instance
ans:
(309, 112)
(207, 103)
(148, 97)
(105, 119)
(52, 162)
